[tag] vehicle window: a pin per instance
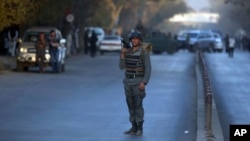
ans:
(111, 38)
(192, 35)
(209, 35)
(59, 35)
(216, 36)
(98, 33)
(204, 35)
(32, 36)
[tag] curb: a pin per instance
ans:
(202, 134)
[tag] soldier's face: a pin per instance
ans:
(135, 42)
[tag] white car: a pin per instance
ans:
(110, 43)
(205, 40)
(26, 55)
(218, 44)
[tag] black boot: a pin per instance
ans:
(139, 131)
(132, 130)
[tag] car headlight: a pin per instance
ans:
(23, 50)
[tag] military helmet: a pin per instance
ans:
(135, 34)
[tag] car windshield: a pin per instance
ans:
(32, 36)
(193, 35)
(216, 36)
(111, 38)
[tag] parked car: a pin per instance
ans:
(26, 54)
(218, 44)
(205, 40)
(110, 43)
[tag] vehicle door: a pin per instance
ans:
(205, 39)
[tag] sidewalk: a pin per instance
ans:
(216, 127)
(7, 63)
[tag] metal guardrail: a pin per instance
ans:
(208, 94)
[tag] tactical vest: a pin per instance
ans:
(134, 64)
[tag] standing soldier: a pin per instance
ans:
(40, 45)
(137, 65)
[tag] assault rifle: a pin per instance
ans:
(125, 44)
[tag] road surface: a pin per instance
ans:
(87, 102)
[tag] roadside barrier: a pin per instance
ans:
(208, 94)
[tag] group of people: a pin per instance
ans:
(241, 42)
(90, 42)
(53, 42)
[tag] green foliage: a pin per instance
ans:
(15, 12)
(49, 12)
(105, 13)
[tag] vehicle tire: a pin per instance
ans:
(63, 68)
(59, 67)
(26, 68)
(210, 49)
(19, 67)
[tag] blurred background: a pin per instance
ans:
(120, 16)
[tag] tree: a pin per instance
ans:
(15, 12)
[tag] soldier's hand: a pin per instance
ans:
(141, 86)
(124, 50)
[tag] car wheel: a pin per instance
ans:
(26, 68)
(63, 68)
(210, 49)
(19, 66)
(59, 67)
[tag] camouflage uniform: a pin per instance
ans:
(137, 67)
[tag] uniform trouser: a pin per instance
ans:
(54, 54)
(40, 57)
(134, 99)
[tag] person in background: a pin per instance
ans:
(41, 45)
(226, 41)
(12, 41)
(86, 41)
(231, 46)
(54, 50)
(69, 43)
(93, 47)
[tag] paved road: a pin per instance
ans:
(87, 103)
(231, 81)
